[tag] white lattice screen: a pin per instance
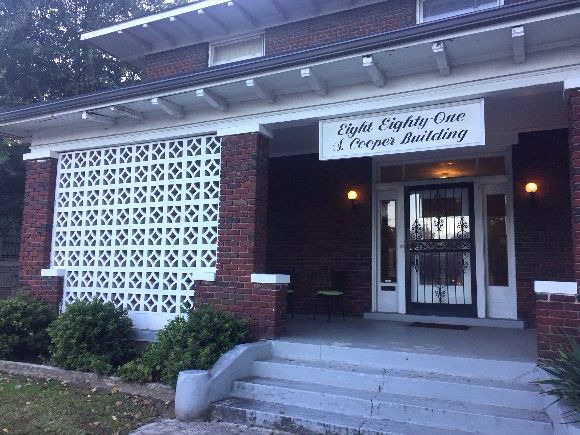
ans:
(137, 224)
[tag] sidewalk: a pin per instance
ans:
(171, 427)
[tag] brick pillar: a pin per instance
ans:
(242, 239)
(36, 238)
(558, 315)
(574, 141)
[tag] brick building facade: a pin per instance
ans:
(211, 180)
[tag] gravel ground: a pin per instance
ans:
(167, 427)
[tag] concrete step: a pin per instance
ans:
(512, 371)
(303, 421)
(433, 385)
(437, 413)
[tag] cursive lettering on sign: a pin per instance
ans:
(439, 127)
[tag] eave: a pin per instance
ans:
(203, 21)
(547, 24)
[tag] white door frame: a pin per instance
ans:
(395, 301)
(502, 295)
(480, 184)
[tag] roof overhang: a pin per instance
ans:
(509, 34)
(205, 20)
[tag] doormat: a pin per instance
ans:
(439, 326)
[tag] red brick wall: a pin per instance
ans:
(187, 59)
(313, 229)
(36, 238)
(363, 21)
(542, 226)
(558, 316)
(574, 146)
(341, 26)
(242, 239)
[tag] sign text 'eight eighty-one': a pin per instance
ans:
(418, 129)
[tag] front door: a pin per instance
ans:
(440, 251)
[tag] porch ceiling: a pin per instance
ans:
(312, 81)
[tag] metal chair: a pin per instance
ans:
(333, 293)
(289, 292)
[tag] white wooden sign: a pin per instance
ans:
(402, 131)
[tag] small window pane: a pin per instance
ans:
(388, 242)
(497, 253)
(434, 9)
(239, 49)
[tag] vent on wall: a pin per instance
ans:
(236, 50)
(431, 10)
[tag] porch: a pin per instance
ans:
(477, 342)
(376, 377)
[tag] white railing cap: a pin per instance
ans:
(556, 287)
(53, 272)
(264, 278)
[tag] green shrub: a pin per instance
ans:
(195, 342)
(565, 382)
(135, 371)
(23, 323)
(92, 336)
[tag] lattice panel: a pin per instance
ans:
(135, 224)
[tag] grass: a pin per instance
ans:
(32, 406)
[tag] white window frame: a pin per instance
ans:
(214, 45)
(421, 20)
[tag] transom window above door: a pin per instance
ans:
(483, 166)
(430, 10)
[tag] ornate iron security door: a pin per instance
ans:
(440, 250)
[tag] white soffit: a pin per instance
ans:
(397, 63)
(202, 21)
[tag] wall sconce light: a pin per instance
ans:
(531, 189)
(352, 196)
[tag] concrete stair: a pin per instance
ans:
(307, 388)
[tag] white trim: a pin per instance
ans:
(262, 278)
(53, 272)
(573, 83)
(421, 19)
(401, 260)
(40, 154)
(225, 43)
(556, 287)
(506, 296)
(204, 276)
(388, 302)
(200, 4)
(244, 128)
(478, 238)
(354, 105)
(569, 84)
(505, 80)
(395, 190)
